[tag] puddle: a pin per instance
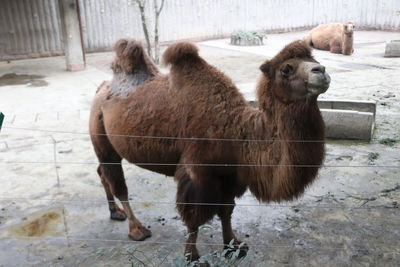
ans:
(48, 223)
(20, 79)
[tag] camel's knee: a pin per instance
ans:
(114, 177)
(196, 202)
(335, 48)
(120, 190)
(226, 210)
(99, 170)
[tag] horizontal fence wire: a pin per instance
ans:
(72, 238)
(69, 239)
(269, 205)
(165, 137)
(201, 164)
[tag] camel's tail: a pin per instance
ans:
(180, 52)
(130, 56)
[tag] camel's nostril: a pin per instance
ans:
(318, 69)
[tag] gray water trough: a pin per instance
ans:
(392, 49)
(347, 119)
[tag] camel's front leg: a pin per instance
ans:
(335, 47)
(136, 230)
(193, 196)
(191, 252)
(225, 213)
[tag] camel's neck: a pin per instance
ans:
(292, 127)
(347, 43)
(124, 83)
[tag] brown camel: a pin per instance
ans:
(210, 152)
(334, 37)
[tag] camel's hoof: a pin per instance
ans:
(192, 256)
(242, 247)
(139, 233)
(118, 215)
(202, 264)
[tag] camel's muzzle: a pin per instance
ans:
(318, 80)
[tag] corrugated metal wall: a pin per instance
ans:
(31, 27)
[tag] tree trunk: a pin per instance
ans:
(145, 25)
(157, 12)
(141, 5)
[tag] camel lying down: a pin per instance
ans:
(197, 100)
(334, 37)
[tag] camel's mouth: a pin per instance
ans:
(349, 28)
(317, 78)
(318, 83)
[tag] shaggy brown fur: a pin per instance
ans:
(197, 100)
(334, 37)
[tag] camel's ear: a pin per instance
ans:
(120, 46)
(351, 22)
(266, 68)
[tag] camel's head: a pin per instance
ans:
(349, 27)
(129, 54)
(294, 74)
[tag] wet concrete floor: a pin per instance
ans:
(55, 213)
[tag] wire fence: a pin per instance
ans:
(202, 164)
(269, 205)
(144, 164)
(181, 243)
(79, 201)
(185, 139)
(174, 138)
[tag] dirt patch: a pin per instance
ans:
(40, 225)
(20, 79)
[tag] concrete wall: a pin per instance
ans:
(31, 28)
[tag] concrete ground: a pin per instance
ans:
(54, 213)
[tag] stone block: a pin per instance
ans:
(348, 124)
(392, 49)
(356, 105)
(346, 119)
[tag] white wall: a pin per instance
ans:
(105, 21)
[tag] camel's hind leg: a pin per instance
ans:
(114, 177)
(116, 213)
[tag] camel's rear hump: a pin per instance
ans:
(180, 53)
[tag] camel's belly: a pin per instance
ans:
(153, 155)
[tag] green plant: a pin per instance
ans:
(131, 255)
(226, 258)
(388, 141)
(248, 34)
(373, 156)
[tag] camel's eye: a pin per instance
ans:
(287, 70)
